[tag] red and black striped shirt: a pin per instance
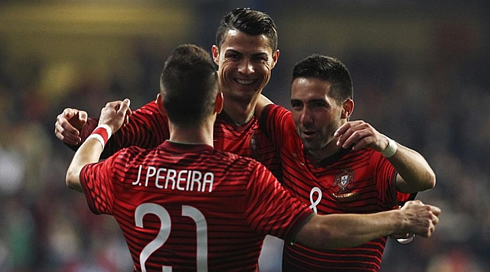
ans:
(192, 207)
(348, 182)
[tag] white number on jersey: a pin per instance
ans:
(165, 226)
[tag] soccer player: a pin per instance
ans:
(337, 165)
(185, 205)
(246, 51)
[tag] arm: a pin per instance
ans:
(414, 173)
(147, 127)
(112, 115)
(349, 230)
(262, 102)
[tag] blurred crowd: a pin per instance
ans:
(441, 109)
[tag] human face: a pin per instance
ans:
(316, 114)
(245, 64)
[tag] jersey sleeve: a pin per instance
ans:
(277, 123)
(271, 209)
(386, 173)
(97, 185)
(147, 128)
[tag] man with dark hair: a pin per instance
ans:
(172, 202)
(246, 52)
(337, 165)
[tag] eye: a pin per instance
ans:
(296, 105)
(260, 58)
(319, 105)
(232, 56)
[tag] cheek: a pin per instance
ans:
(295, 117)
(224, 68)
(264, 69)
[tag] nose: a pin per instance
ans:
(305, 116)
(246, 67)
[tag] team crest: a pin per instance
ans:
(343, 179)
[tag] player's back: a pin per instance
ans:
(191, 206)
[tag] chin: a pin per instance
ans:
(312, 146)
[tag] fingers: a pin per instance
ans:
(115, 114)
(82, 116)
(125, 110)
(355, 135)
(68, 124)
(124, 106)
(424, 217)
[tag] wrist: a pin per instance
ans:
(391, 149)
(101, 133)
(406, 241)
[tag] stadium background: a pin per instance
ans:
(421, 75)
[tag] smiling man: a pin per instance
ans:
(245, 52)
(337, 165)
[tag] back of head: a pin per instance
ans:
(189, 85)
(327, 69)
(248, 21)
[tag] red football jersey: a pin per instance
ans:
(192, 207)
(348, 182)
(148, 128)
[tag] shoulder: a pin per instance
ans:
(236, 161)
(131, 153)
(275, 109)
(151, 106)
(148, 111)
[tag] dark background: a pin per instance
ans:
(421, 76)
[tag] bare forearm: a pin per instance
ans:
(89, 152)
(415, 174)
(347, 230)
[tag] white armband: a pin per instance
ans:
(391, 149)
(102, 133)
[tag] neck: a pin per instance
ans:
(325, 152)
(199, 134)
(239, 112)
(240, 107)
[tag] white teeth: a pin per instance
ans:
(245, 81)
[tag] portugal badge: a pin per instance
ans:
(343, 179)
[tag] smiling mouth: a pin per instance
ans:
(245, 81)
(308, 134)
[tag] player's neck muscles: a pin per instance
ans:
(239, 114)
(326, 152)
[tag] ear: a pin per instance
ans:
(347, 108)
(215, 53)
(275, 58)
(218, 105)
(159, 102)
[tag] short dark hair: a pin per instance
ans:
(189, 85)
(329, 69)
(248, 21)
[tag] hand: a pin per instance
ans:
(358, 135)
(399, 235)
(421, 218)
(68, 125)
(115, 114)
